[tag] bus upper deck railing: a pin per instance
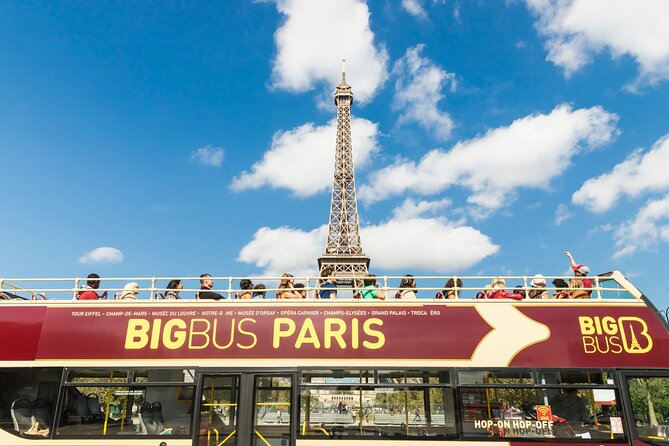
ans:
(611, 285)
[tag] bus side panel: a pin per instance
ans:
(596, 336)
(20, 329)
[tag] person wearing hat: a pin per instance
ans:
(130, 291)
(580, 271)
(538, 290)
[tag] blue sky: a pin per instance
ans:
(489, 137)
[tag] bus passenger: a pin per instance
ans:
(206, 284)
(173, 288)
(259, 291)
(299, 289)
(449, 289)
(407, 288)
(130, 291)
(580, 270)
(88, 292)
(328, 288)
(570, 406)
(287, 288)
(538, 290)
(246, 286)
(370, 289)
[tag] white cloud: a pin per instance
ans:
(418, 90)
(415, 8)
(103, 254)
(425, 244)
(649, 227)
(410, 208)
(578, 29)
(208, 156)
(562, 213)
(638, 174)
(526, 154)
(283, 249)
(316, 35)
(302, 159)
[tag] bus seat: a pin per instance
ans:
(148, 425)
(93, 404)
(22, 415)
(439, 295)
(41, 412)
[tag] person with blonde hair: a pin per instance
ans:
(287, 288)
(130, 291)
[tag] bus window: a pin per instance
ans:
(219, 410)
(524, 412)
(99, 402)
(650, 404)
(272, 414)
(377, 403)
(495, 377)
(28, 399)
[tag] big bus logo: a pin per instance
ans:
(614, 335)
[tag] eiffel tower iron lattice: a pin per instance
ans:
(343, 248)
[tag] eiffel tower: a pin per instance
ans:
(343, 249)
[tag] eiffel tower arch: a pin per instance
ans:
(343, 248)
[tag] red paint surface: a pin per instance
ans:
(565, 346)
(99, 332)
(406, 335)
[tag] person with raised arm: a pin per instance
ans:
(580, 271)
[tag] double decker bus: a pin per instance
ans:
(312, 372)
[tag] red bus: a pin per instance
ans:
(333, 372)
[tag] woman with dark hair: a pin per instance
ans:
(449, 289)
(173, 288)
(246, 286)
(407, 288)
(287, 288)
(370, 290)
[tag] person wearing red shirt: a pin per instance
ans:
(88, 292)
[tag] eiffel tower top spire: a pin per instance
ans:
(343, 249)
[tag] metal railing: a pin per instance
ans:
(610, 286)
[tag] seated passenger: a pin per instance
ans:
(450, 291)
(130, 291)
(287, 288)
(299, 288)
(580, 270)
(570, 406)
(259, 291)
(407, 288)
(370, 289)
(246, 286)
(206, 284)
(538, 290)
(559, 284)
(495, 290)
(328, 288)
(173, 288)
(88, 291)
(577, 290)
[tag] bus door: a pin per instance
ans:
(646, 398)
(245, 409)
